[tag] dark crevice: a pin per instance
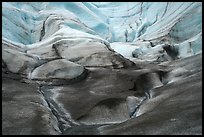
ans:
(52, 109)
(140, 18)
(134, 87)
(134, 113)
(162, 75)
(143, 86)
(54, 46)
(63, 122)
(172, 51)
(165, 9)
(42, 33)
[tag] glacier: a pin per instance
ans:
(102, 68)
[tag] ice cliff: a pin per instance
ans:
(177, 24)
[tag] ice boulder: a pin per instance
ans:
(58, 69)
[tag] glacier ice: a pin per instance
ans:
(101, 67)
(29, 23)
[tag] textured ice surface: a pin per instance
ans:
(34, 24)
(101, 68)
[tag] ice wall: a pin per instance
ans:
(174, 23)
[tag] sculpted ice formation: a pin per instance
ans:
(58, 69)
(101, 68)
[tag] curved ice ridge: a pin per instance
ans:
(29, 22)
